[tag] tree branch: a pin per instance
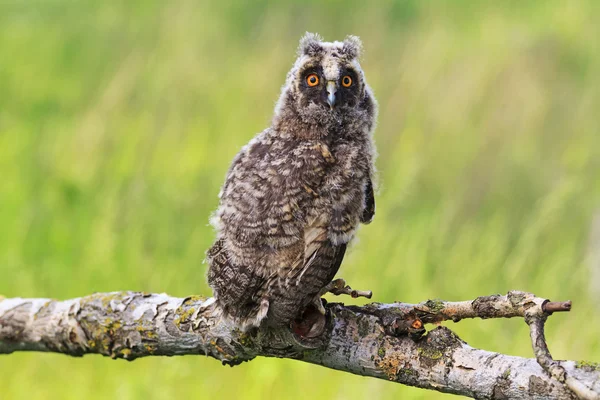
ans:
(385, 341)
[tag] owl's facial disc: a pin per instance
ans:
(331, 91)
(327, 90)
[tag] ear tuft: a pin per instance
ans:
(310, 44)
(352, 46)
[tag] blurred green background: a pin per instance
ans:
(118, 121)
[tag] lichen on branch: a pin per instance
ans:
(386, 341)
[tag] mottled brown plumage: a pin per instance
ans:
(295, 195)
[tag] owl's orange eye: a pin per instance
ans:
(346, 81)
(312, 80)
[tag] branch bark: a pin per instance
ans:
(385, 341)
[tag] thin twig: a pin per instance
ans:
(338, 287)
(536, 322)
(556, 306)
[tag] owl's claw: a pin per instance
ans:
(318, 303)
(339, 287)
(312, 322)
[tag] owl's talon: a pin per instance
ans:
(318, 303)
(311, 324)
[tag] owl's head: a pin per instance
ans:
(326, 85)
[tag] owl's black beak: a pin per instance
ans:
(331, 90)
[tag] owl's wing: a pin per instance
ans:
(369, 211)
(238, 288)
(319, 263)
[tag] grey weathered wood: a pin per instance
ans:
(371, 340)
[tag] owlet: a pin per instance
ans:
(296, 193)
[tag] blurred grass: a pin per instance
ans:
(118, 121)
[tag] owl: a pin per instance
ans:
(295, 195)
